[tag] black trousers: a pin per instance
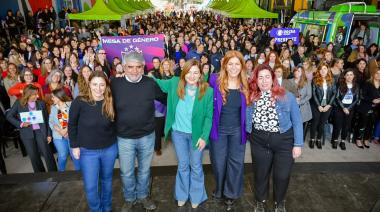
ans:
(36, 146)
(227, 160)
(3, 168)
(341, 124)
(318, 122)
(159, 131)
(366, 125)
(272, 150)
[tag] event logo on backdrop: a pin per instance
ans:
(149, 45)
(284, 34)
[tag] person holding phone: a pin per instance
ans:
(189, 120)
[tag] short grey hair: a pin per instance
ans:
(133, 56)
(52, 73)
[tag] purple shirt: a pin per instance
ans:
(218, 103)
(32, 106)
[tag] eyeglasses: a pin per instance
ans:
(102, 53)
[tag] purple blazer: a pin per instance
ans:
(218, 103)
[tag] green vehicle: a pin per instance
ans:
(337, 24)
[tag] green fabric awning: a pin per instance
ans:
(113, 10)
(240, 9)
(99, 11)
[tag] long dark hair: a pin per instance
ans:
(61, 95)
(342, 81)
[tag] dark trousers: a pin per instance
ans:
(36, 146)
(227, 160)
(272, 150)
(366, 125)
(341, 124)
(318, 122)
(159, 131)
(3, 169)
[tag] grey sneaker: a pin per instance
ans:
(279, 207)
(127, 206)
(261, 206)
(147, 203)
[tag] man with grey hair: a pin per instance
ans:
(134, 97)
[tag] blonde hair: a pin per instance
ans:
(171, 67)
(82, 83)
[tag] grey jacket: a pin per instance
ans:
(305, 95)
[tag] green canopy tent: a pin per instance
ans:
(114, 10)
(99, 11)
(130, 7)
(240, 9)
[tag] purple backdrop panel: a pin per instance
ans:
(283, 34)
(149, 45)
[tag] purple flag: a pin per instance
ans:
(149, 45)
(283, 34)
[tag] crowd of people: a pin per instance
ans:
(223, 82)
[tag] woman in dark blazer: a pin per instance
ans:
(35, 137)
(347, 96)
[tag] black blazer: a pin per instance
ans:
(318, 94)
(368, 93)
(27, 132)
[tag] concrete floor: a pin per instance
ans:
(327, 180)
(17, 164)
(319, 187)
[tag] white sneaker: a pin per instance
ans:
(194, 205)
(181, 203)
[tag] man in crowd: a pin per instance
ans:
(134, 98)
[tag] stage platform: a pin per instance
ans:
(314, 187)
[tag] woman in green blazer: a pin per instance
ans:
(189, 120)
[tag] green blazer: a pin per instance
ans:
(201, 120)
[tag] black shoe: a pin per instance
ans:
(319, 144)
(334, 144)
(216, 198)
(365, 145)
(359, 144)
(127, 206)
(261, 206)
(311, 143)
(342, 145)
(279, 207)
(147, 203)
(229, 203)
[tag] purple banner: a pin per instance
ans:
(149, 45)
(284, 34)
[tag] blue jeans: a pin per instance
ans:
(377, 130)
(97, 163)
(190, 178)
(63, 149)
(227, 160)
(135, 187)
